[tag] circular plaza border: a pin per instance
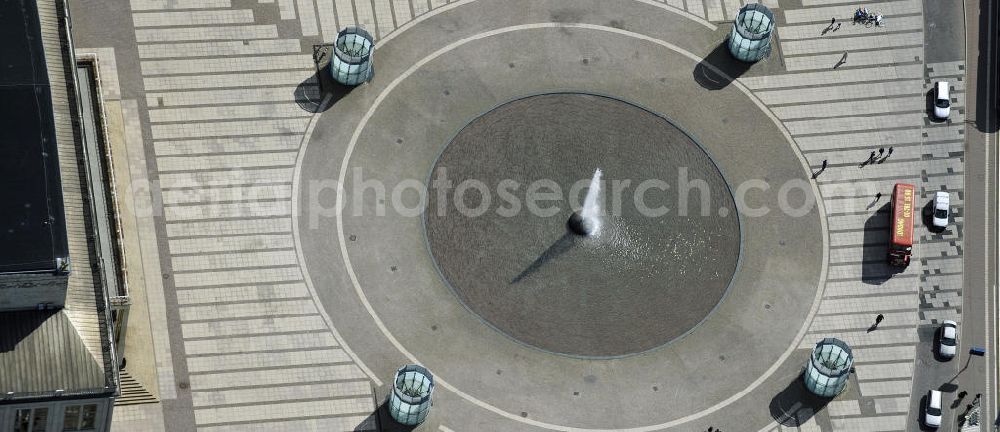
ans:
(773, 302)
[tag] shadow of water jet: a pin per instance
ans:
(554, 250)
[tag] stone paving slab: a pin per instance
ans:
(245, 327)
(235, 32)
(229, 228)
(268, 360)
(260, 343)
(242, 293)
(279, 394)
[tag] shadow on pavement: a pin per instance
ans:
(795, 405)
(310, 94)
(927, 216)
(948, 388)
(719, 68)
(987, 101)
(320, 91)
(380, 421)
(875, 269)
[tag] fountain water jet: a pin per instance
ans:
(587, 221)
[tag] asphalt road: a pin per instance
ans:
(971, 374)
(944, 40)
(979, 293)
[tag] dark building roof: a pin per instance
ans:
(32, 223)
(69, 348)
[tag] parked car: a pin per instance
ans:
(932, 409)
(942, 209)
(949, 339)
(942, 100)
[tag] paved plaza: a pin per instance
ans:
(268, 310)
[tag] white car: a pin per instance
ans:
(949, 339)
(932, 409)
(942, 100)
(942, 209)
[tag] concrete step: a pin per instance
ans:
(132, 392)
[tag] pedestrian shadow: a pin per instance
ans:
(796, 405)
(875, 268)
(874, 202)
(843, 59)
(822, 168)
(717, 70)
(959, 397)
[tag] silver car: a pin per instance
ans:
(942, 100)
(949, 339)
(932, 409)
(942, 209)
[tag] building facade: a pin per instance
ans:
(58, 360)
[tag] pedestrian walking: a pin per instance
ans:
(833, 21)
(837, 27)
(871, 157)
(843, 59)
(880, 151)
(878, 319)
(878, 196)
(821, 169)
(887, 154)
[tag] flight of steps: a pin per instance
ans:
(132, 392)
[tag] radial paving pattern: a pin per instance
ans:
(249, 342)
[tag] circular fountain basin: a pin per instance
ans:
(645, 280)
